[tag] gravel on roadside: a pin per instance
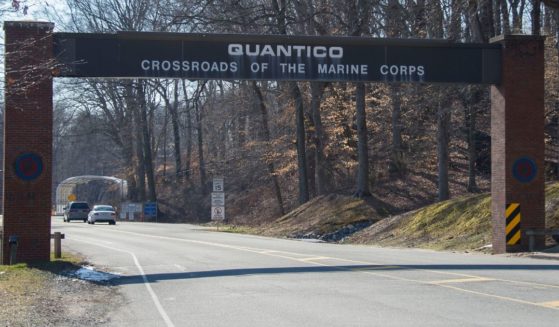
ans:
(37, 297)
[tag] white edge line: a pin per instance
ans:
(154, 297)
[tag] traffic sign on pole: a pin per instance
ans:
(218, 199)
(218, 213)
(218, 185)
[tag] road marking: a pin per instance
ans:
(154, 297)
(313, 259)
(295, 256)
(551, 304)
(461, 280)
(274, 253)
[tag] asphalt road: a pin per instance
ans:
(183, 275)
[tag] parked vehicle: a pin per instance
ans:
(76, 210)
(102, 213)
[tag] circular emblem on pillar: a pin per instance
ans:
(28, 166)
(524, 170)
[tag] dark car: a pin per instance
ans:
(76, 210)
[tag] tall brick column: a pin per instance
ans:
(27, 140)
(517, 138)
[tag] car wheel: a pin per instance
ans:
(85, 220)
(112, 222)
(92, 222)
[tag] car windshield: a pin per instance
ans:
(79, 206)
(104, 208)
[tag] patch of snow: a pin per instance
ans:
(90, 274)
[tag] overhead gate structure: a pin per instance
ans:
(512, 64)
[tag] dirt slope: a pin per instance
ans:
(322, 216)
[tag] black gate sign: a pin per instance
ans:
(261, 57)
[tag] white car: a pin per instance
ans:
(102, 213)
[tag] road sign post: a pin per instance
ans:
(218, 201)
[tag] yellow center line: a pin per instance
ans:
(551, 304)
(461, 280)
(368, 270)
(314, 259)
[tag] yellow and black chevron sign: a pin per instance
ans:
(513, 223)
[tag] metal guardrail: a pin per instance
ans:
(532, 233)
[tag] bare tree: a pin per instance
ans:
(268, 140)
(171, 106)
(280, 10)
(359, 13)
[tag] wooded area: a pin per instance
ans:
(279, 144)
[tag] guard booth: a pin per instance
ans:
(513, 65)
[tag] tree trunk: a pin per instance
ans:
(517, 10)
(536, 17)
(280, 8)
(362, 143)
(128, 155)
(148, 158)
(268, 139)
(173, 108)
(497, 17)
(547, 20)
(471, 117)
(420, 20)
(474, 94)
(443, 124)
(475, 23)
(397, 162)
(506, 19)
(317, 89)
(202, 164)
(132, 100)
(486, 19)
(188, 132)
(140, 165)
(301, 145)
(165, 126)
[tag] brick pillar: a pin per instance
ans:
(517, 138)
(28, 140)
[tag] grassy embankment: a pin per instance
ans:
(463, 223)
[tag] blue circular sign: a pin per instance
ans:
(524, 169)
(28, 166)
